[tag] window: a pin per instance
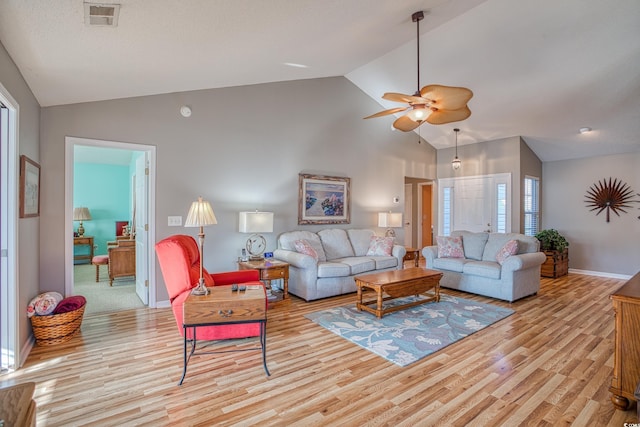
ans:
(446, 211)
(531, 206)
(501, 208)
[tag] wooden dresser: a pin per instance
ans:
(626, 368)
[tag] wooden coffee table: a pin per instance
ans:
(390, 285)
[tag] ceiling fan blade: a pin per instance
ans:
(401, 97)
(405, 124)
(387, 112)
(446, 97)
(440, 117)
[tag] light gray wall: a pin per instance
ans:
(594, 244)
(242, 149)
(530, 165)
(29, 145)
(507, 155)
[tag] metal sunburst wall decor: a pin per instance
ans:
(610, 196)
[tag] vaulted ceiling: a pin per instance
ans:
(538, 69)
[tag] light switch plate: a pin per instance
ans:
(174, 221)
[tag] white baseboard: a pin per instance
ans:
(600, 274)
(26, 349)
(163, 304)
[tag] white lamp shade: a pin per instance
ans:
(81, 214)
(390, 219)
(256, 222)
(200, 214)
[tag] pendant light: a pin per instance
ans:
(456, 163)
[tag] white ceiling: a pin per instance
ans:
(540, 69)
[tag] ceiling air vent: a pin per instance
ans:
(101, 14)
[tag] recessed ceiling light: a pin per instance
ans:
(293, 64)
(585, 130)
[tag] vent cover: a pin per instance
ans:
(101, 14)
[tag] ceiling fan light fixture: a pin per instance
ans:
(418, 114)
(451, 101)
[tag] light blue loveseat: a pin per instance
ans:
(479, 272)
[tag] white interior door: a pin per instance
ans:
(140, 225)
(408, 215)
(473, 201)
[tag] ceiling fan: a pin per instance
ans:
(434, 104)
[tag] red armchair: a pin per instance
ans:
(179, 258)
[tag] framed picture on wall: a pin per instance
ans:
(324, 199)
(29, 188)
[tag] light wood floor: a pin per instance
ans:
(548, 364)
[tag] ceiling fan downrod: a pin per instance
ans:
(417, 17)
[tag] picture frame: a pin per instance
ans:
(324, 199)
(29, 188)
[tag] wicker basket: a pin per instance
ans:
(57, 328)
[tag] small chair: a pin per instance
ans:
(99, 260)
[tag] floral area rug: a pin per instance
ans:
(408, 335)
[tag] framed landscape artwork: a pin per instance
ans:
(29, 188)
(323, 199)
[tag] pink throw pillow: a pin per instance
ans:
(509, 248)
(304, 247)
(380, 246)
(450, 247)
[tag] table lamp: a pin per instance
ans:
(81, 214)
(256, 222)
(390, 220)
(200, 215)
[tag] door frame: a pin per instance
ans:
(408, 216)
(10, 350)
(70, 143)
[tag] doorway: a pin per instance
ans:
(475, 203)
(139, 189)
(418, 213)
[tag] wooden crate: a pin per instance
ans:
(556, 264)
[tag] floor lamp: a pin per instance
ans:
(200, 215)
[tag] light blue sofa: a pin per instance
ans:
(479, 272)
(342, 254)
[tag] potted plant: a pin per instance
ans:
(555, 247)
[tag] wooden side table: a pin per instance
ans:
(222, 306)
(412, 254)
(83, 241)
(271, 270)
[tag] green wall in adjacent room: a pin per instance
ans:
(106, 191)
